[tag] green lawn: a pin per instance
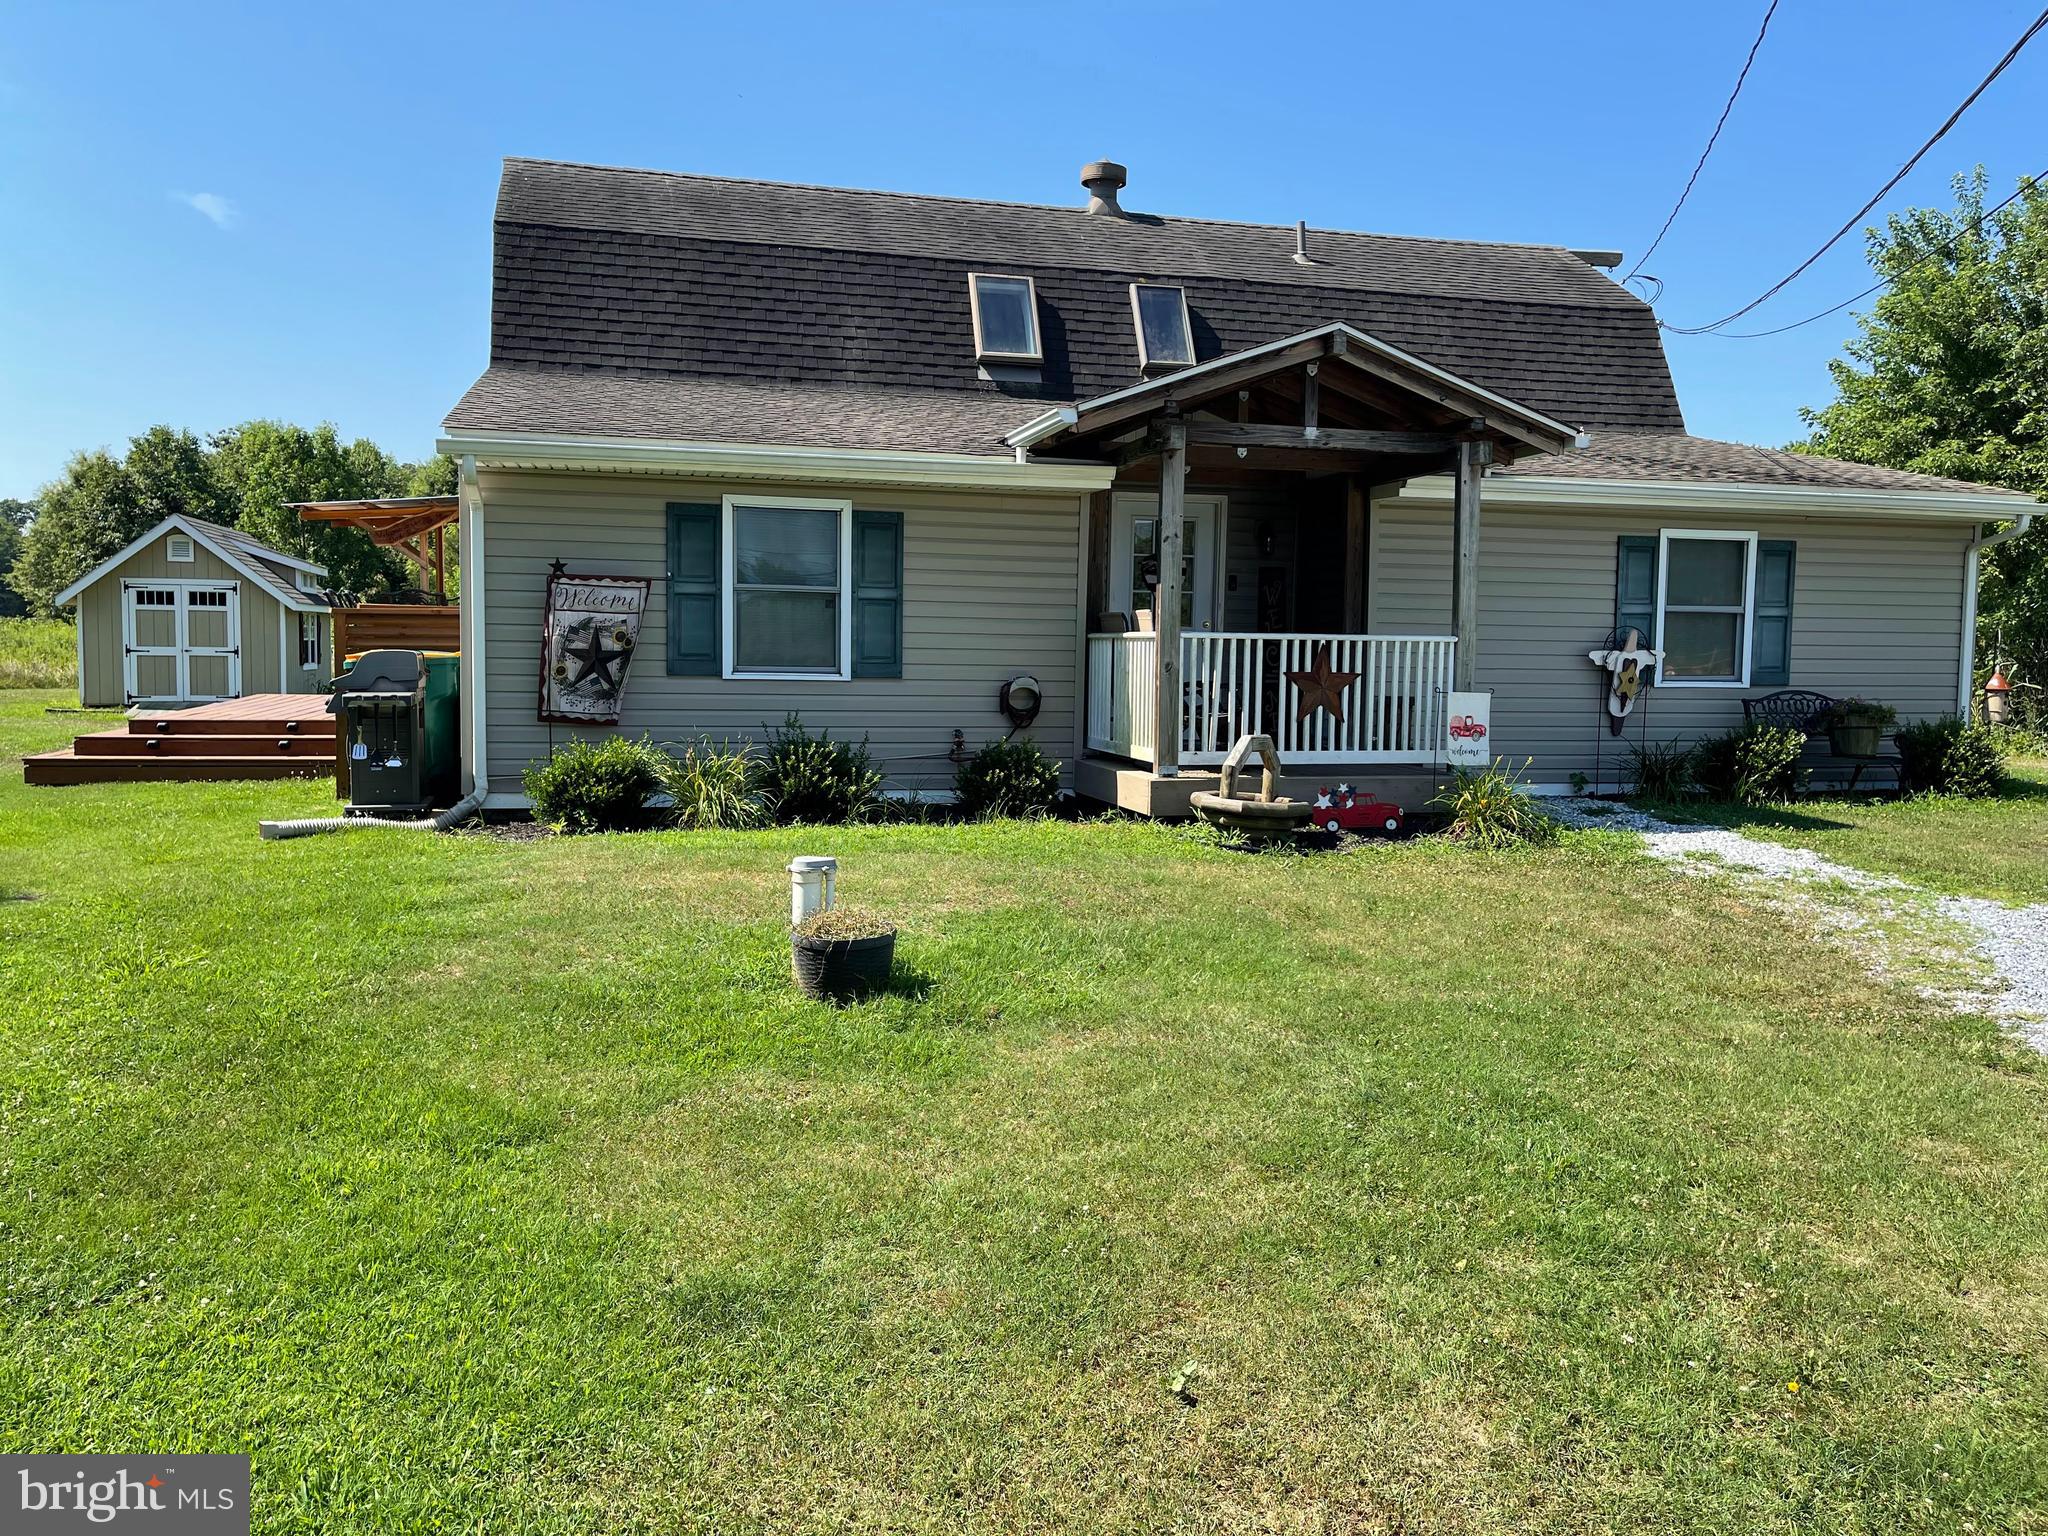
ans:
(1996, 848)
(490, 1186)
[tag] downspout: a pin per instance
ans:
(469, 547)
(1979, 542)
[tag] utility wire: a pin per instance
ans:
(1976, 227)
(1719, 123)
(1898, 176)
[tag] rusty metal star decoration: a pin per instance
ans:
(1320, 688)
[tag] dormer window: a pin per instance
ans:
(1005, 318)
(1165, 338)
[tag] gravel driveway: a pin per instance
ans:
(2010, 942)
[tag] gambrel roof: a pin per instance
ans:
(678, 308)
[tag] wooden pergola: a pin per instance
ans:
(415, 526)
(1332, 401)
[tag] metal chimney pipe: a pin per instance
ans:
(1104, 179)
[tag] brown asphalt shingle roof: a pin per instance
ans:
(1675, 456)
(649, 304)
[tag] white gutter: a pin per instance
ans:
(771, 461)
(1587, 492)
(469, 550)
(1058, 419)
(1980, 541)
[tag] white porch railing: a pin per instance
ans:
(1395, 708)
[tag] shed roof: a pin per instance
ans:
(254, 559)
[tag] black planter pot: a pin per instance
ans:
(841, 970)
(1855, 739)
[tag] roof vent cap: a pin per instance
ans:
(1104, 179)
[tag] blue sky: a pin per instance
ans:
(220, 212)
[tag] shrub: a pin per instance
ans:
(1493, 810)
(816, 779)
(714, 787)
(1950, 756)
(596, 784)
(1662, 770)
(1755, 765)
(1008, 778)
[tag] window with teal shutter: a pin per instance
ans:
(695, 626)
(1635, 587)
(1770, 657)
(877, 594)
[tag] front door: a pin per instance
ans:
(1134, 558)
(182, 641)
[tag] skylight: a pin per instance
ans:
(1165, 339)
(1005, 318)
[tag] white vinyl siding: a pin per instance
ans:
(990, 590)
(1877, 612)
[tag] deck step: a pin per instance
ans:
(315, 722)
(70, 767)
(128, 744)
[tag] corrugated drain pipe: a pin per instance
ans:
(310, 826)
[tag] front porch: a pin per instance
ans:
(1228, 567)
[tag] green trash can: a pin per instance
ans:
(398, 723)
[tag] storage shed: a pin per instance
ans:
(193, 611)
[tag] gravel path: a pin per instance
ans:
(2011, 942)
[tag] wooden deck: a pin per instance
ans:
(263, 736)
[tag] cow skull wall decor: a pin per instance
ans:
(1628, 674)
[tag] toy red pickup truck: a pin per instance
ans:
(1343, 809)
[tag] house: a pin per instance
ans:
(192, 612)
(876, 455)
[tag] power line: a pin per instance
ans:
(1976, 227)
(1898, 176)
(1719, 123)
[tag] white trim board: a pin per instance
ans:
(1727, 496)
(269, 583)
(767, 461)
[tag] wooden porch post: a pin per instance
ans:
(1473, 454)
(1173, 471)
(1355, 513)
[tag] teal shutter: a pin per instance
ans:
(878, 594)
(1635, 587)
(695, 626)
(1770, 645)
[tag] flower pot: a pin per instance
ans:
(841, 970)
(1855, 738)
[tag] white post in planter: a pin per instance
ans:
(811, 881)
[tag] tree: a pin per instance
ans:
(14, 517)
(1950, 377)
(80, 519)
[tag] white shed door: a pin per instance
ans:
(182, 641)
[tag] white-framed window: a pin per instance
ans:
(309, 641)
(788, 613)
(1706, 607)
(1166, 338)
(178, 549)
(307, 581)
(1005, 318)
